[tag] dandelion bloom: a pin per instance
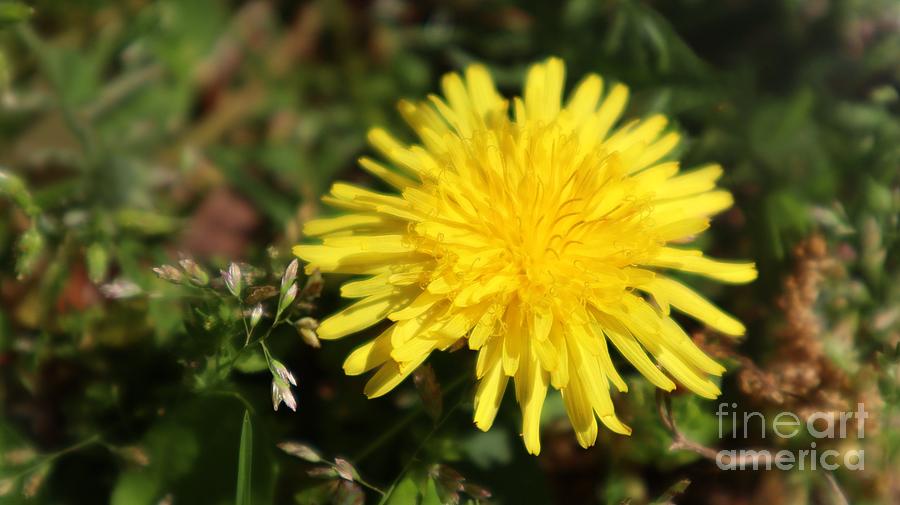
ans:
(540, 235)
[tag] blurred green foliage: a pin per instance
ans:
(135, 131)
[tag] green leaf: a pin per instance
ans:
(135, 487)
(245, 459)
(488, 449)
(316, 495)
(14, 187)
(251, 362)
(97, 262)
(30, 247)
(404, 492)
(173, 449)
(14, 12)
(431, 496)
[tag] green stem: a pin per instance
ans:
(232, 394)
(53, 456)
(247, 329)
(415, 453)
(369, 486)
(400, 426)
(267, 354)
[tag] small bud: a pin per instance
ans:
(290, 401)
(322, 472)
(287, 298)
(169, 273)
(310, 337)
(345, 469)
(308, 322)
(282, 372)
(281, 392)
(197, 275)
(290, 275)
(256, 315)
(233, 279)
(301, 451)
(306, 327)
(276, 395)
(134, 454)
(120, 289)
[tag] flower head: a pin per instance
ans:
(540, 235)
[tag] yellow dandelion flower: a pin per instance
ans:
(539, 235)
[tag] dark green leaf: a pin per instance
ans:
(245, 460)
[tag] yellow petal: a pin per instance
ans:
(559, 376)
(532, 402)
(581, 413)
(693, 261)
(489, 395)
(369, 355)
(362, 314)
(348, 222)
(377, 285)
(690, 183)
(482, 92)
(688, 301)
(611, 109)
(387, 175)
(704, 204)
(584, 100)
(389, 376)
(686, 375)
(657, 150)
(632, 351)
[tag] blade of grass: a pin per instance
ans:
(245, 458)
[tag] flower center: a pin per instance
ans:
(559, 218)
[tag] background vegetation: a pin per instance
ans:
(137, 133)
